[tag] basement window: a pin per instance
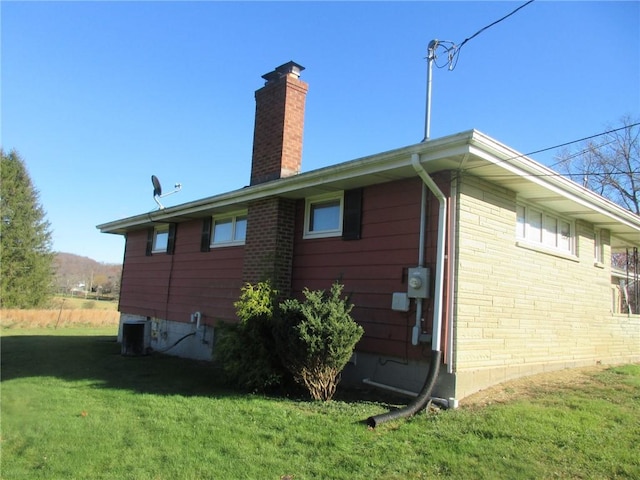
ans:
(323, 216)
(229, 230)
(547, 231)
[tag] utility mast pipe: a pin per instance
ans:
(431, 55)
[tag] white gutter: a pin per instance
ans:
(439, 283)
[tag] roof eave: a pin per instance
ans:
(471, 152)
(623, 224)
(386, 166)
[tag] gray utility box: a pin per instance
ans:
(419, 282)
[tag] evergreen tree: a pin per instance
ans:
(26, 272)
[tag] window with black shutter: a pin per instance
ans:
(352, 215)
(205, 239)
(150, 237)
(162, 239)
(171, 239)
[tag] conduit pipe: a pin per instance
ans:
(417, 328)
(400, 391)
(424, 396)
(437, 400)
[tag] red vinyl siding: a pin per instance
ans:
(208, 282)
(373, 267)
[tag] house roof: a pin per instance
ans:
(470, 152)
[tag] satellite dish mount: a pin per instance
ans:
(157, 190)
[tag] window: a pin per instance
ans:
(161, 239)
(538, 227)
(598, 254)
(229, 230)
(323, 216)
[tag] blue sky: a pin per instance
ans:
(98, 96)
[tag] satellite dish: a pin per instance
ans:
(157, 190)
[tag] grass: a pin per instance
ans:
(74, 408)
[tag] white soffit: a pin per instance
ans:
(538, 184)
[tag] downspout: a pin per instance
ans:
(441, 240)
(424, 396)
(451, 274)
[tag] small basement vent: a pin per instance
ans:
(134, 338)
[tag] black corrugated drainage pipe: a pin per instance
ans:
(419, 402)
(176, 343)
(424, 396)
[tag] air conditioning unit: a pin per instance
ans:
(135, 337)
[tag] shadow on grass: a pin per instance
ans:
(98, 359)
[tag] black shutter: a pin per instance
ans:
(205, 239)
(150, 233)
(171, 240)
(352, 215)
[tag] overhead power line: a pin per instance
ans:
(492, 24)
(453, 51)
(581, 139)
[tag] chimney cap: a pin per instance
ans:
(289, 68)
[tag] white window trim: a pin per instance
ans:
(309, 202)
(526, 242)
(233, 216)
(156, 231)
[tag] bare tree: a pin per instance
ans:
(608, 164)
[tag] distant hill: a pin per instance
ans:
(74, 272)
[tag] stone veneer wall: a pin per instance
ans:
(521, 311)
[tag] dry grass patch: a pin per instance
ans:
(526, 387)
(15, 318)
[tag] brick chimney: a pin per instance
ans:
(277, 153)
(279, 124)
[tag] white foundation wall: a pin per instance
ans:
(173, 338)
(392, 374)
(521, 311)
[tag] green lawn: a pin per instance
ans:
(74, 408)
(80, 302)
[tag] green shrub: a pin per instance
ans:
(246, 350)
(316, 338)
(256, 301)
